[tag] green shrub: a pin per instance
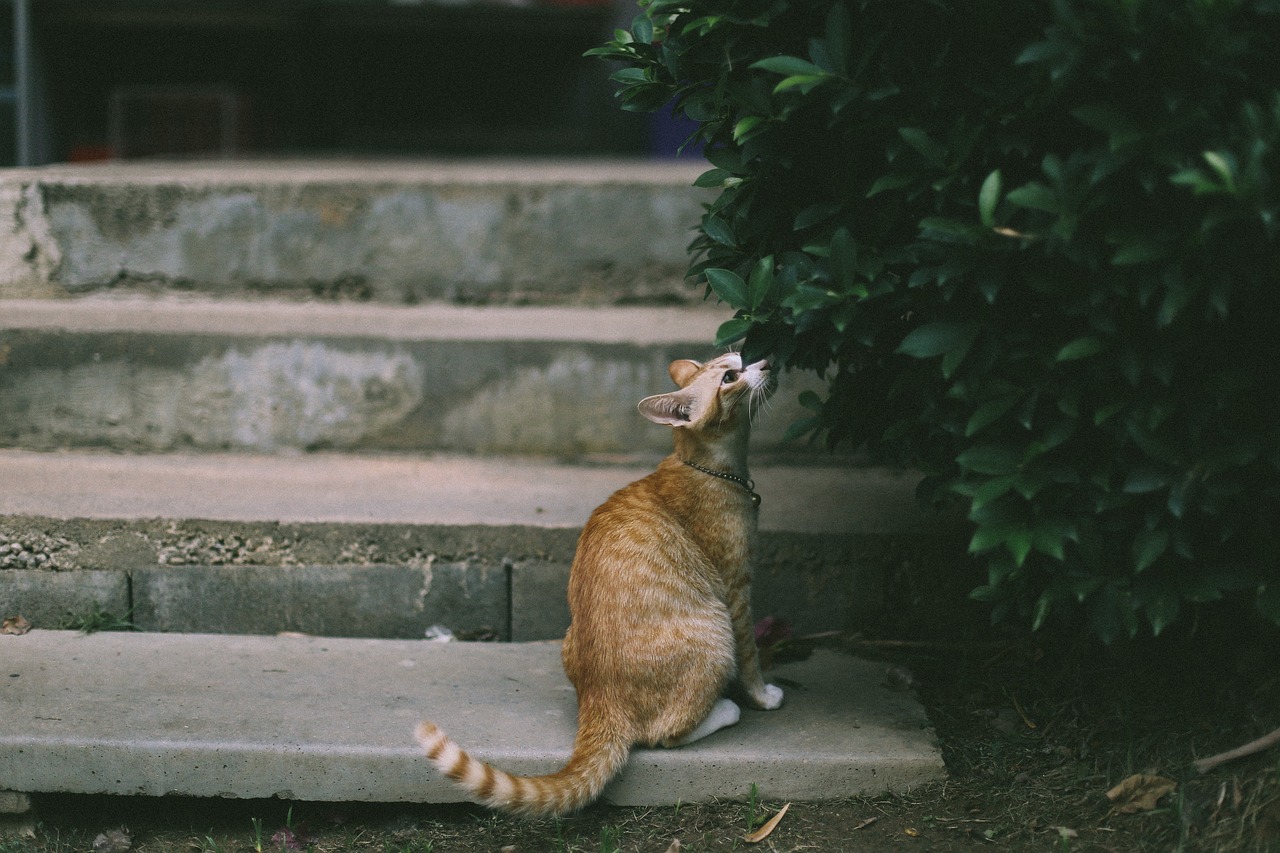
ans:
(1033, 246)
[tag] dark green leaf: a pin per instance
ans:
(788, 66)
(990, 459)
(1082, 347)
(630, 75)
(838, 42)
(816, 213)
(810, 400)
(759, 283)
(989, 197)
(718, 230)
(1140, 252)
(712, 178)
(935, 339)
(990, 412)
(1039, 52)
(1034, 196)
(988, 593)
(944, 227)
(993, 489)
(729, 286)
(1149, 546)
(732, 331)
(1106, 413)
(1162, 611)
(1040, 613)
(1020, 543)
(890, 182)
(1051, 535)
(1144, 479)
(934, 153)
(747, 127)
(804, 82)
(1223, 165)
(642, 27)
(995, 535)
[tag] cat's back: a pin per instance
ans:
(642, 512)
(637, 571)
(672, 518)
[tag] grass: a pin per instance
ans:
(96, 619)
(610, 839)
(1034, 732)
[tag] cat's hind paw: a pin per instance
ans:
(768, 698)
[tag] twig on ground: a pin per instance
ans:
(1204, 765)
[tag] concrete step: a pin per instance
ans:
(390, 231)
(182, 373)
(329, 719)
(223, 549)
(386, 546)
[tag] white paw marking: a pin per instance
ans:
(770, 697)
(725, 712)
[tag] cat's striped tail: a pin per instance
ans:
(598, 754)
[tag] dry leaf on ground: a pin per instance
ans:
(763, 832)
(15, 625)
(112, 841)
(1140, 793)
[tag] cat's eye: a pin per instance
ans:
(730, 376)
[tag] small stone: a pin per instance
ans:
(14, 802)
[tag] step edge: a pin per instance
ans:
(638, 325)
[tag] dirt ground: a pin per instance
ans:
(1035, 732)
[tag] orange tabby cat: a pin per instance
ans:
(659, 595)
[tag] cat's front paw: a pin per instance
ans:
(768, 697)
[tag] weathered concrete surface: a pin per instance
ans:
(332, 720)
(510, 585)
(342, 601)
(187, 314)
(155, 375)
(52, 598)
(385, 546)
(391, 231)
(412, 490)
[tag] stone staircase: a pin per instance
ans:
(365, 399)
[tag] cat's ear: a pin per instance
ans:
(668, 409)
(683, 370)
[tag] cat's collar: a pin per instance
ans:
(745, 482)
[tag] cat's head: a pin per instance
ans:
(720, 392)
